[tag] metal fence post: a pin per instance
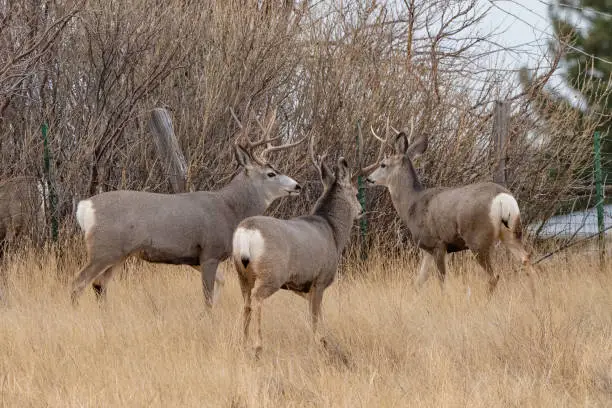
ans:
(363, 222)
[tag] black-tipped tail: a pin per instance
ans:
(245, 262)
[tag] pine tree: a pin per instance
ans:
(588, 61)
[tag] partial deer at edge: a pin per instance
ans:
(22, 209)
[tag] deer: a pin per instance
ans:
(448, 219)
(22, 207)
(193, 228)
(300, 254)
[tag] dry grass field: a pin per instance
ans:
(152, 344)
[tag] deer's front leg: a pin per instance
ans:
(426, 261)
(219, 283)
(439, 255)
(316, 297)
(208, 269)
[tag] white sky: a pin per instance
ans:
(521, 24)
(524, 25)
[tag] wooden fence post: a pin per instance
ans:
(168, 149)
(501, 116)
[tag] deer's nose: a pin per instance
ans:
(298, 187)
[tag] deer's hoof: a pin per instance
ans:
(493, 283)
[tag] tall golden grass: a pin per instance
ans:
(153, 344)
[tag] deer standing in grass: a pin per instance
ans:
(22, 208)
(445, 220)
(183, 229)
(300, 254)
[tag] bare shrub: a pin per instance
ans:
(325, 67)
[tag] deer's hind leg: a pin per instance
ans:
(101, 258)
(261, 291)
(517, 249)
(91, 271)
(246, 286)
(99, 284)
(484, 259)
(515, 245)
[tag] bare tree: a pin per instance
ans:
(327, 66)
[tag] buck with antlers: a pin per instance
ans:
(445, 220)
(184, 229)
(300, 254)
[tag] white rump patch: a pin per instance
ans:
(86, 215)
(504, 208)
(248, 244)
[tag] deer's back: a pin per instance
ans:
(296, 251)
(452, 215)
(162, 222)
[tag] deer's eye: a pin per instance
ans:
(271, 174)
(383, 165)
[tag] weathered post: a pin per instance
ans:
(501, 115)
(168, 149)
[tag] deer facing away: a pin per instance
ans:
(300, 254)
(445, 220)
(184, 229)
(22, 208)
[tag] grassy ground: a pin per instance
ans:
(153, 345)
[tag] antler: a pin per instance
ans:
(265, 131)
(270, 149)
(381, 151)
(411, 129)
(383, 144)
(265, 138)
(316, 163)
(243, 130)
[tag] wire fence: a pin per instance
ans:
(586, 220)
(575, 219)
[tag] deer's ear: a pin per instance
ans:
(327, 175)
(344, 172)
(418, 147)
(243, 157)
(401, 143)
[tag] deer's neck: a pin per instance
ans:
(336, 211)
(242, 198)
(405, 188)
